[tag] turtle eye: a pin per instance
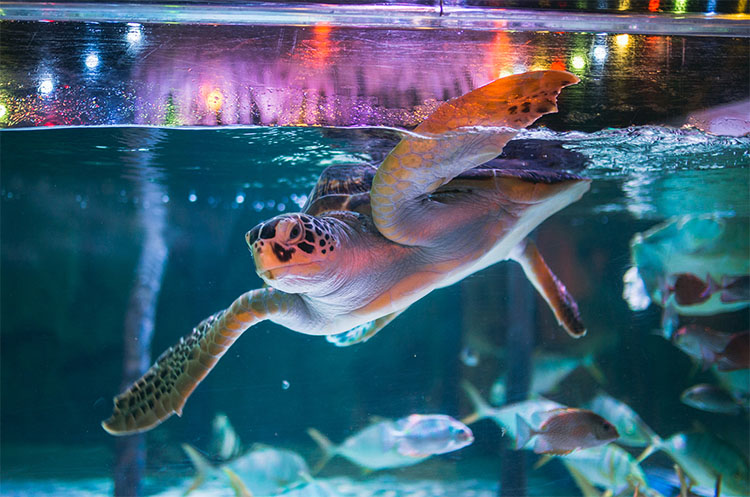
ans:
(295, 232)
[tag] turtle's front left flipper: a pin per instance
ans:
(461, 134)
(549, 287)
(166, 386)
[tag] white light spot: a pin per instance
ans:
(578, 62)
(165, 198)
(192, 197)
(3, 111)
(600, 53)
(240, 198)
(135, 33)
(92, 61)
(46, 86)
(285, 385)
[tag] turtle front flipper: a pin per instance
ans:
(461, 134)
(166, 386)
(549, 287)
(363, 332)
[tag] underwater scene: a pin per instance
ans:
(528, 274)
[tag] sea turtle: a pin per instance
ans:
(369, 243)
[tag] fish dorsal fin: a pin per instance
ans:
(461, 134)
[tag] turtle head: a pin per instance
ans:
(291, 251)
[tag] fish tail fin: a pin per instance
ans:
(656, 443)
(328, 448)
(481, 408)
(523, 432)
(593, 369)
(240, 490)
(202, 467)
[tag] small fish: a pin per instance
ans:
(607, 466)
(705, 458)
(547, 373)
(264, 469)
(632, 429)
(729, 352)
(566, 430)
(534, 411)
(426, 435)
(393, 444)
(710, 398)
(225, 442)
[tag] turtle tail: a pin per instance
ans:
(165, 387)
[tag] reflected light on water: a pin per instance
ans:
(214, 100)
(622, 40)
(600, 53)
(46, 85)
(134, 35)
(92, 61)
(578, 62)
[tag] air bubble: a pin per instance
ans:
(285, 385)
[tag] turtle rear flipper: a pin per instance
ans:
(166, 386)
(549, 287)
(461, 134)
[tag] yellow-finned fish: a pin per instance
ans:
(704, 458)
(566, 430)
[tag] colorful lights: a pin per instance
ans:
(653, 5)
(214, 100)
(578, 62)
(3, 111)
(680, 6)
(622, 40)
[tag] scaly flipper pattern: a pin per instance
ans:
(166, 386)
(461, 134)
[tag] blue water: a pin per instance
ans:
(76, 207)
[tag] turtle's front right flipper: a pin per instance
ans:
(166, 386)
(549, 287)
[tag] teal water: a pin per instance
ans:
(77, 206)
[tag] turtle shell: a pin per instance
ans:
(346, 187)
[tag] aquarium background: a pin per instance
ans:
(147, 150)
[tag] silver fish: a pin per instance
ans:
(393, 444)
(566, 430)
(535, 412)
(225, 443)
(264, 469)
(632, 429)
(704, 458)
(710, 398)
(607, 466)
(547, 373)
